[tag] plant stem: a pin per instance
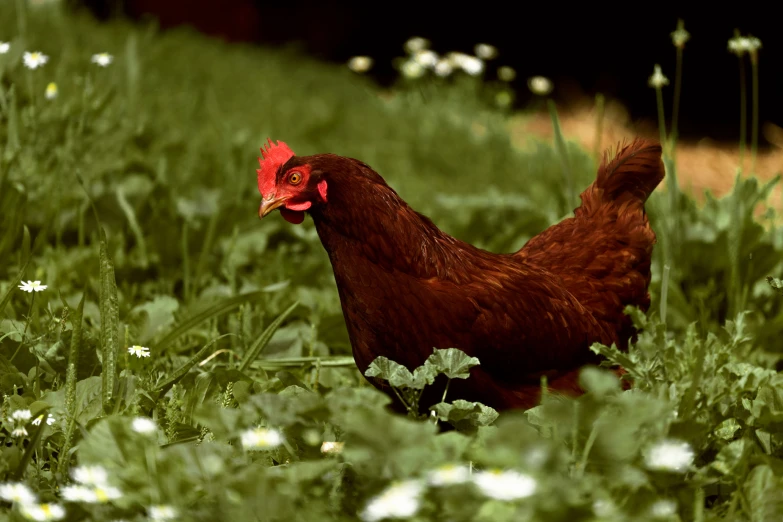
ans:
(443, 399)
(754, 129)
(661, 117)
(743, 112)
(664, 293)
(676, 103)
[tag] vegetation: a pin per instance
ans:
(188, 361)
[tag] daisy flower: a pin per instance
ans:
(505, 485)
(485, 51)
(540, 85)
(34, 60)
(102, 59)
(32, 286)
(261, 439)
(51, 91)
(426, 58)
(449, 474)
(91, 475)
(162, 512)
(663, 508)
(144, 425)
(43, 512)
(412, 69)
(400, 500)
(416, 43)
(79, 494)
(17, 492)
(669, 455)
(19, 432)
(360, 64)
(470, 64)
(139, 351)
(5, 47)
(332, 448)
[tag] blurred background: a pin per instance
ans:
(585, 51)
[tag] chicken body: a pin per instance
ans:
(406, 287)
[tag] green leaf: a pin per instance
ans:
(454, 363)
(398, 375)
(464, 415)
(110, 325)
(216, 310)
(258, 346)
(727, 429)
(15, 281)
(599, 382)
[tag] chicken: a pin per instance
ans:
(406, 287)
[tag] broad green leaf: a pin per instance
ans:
(599, 382)
(454, 363)
(465, 415)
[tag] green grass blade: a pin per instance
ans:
(215, 310)
(110, 326)
(338, 361)
(130, 214)
(185, 368)
(560, 146)
(265, 337)
(26, 254)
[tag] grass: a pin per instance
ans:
(132, 197)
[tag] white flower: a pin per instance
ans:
(400, 500)
(412, 69)
(102, 59)
(43, 512)
(22, 415)
(443, 68)
(34, 60)
(657, 80)
(416, 43)
(107, 493)
(506, 73)
(162, 512)
(51, 91)
(540, 85)
(740, 45)
(19, 432)
(485, 51)
(4, 47)
(261, 438)
(139, 351)
(426, 58)
(604, 508)
(32, 286)
(49, 420)
(663, 508)
(449, 474)
(91, 475)
(505, 485)
(79, 494)
(470, 64)
(332, 447)
(144, 425)
(670, 455)
(360, 64)
(17, 492)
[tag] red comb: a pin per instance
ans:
(273, 156)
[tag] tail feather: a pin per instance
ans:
(633, 174)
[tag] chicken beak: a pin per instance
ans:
(268, 205)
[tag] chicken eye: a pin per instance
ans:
(295, 178)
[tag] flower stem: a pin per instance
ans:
(26, 325)
(743, 112)
(661, 116)
(754, 140)
(443, 399)
(676, 103)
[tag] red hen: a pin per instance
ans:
(406, 287)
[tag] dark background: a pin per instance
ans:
(584, 49)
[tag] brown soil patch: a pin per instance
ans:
(702, 166)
